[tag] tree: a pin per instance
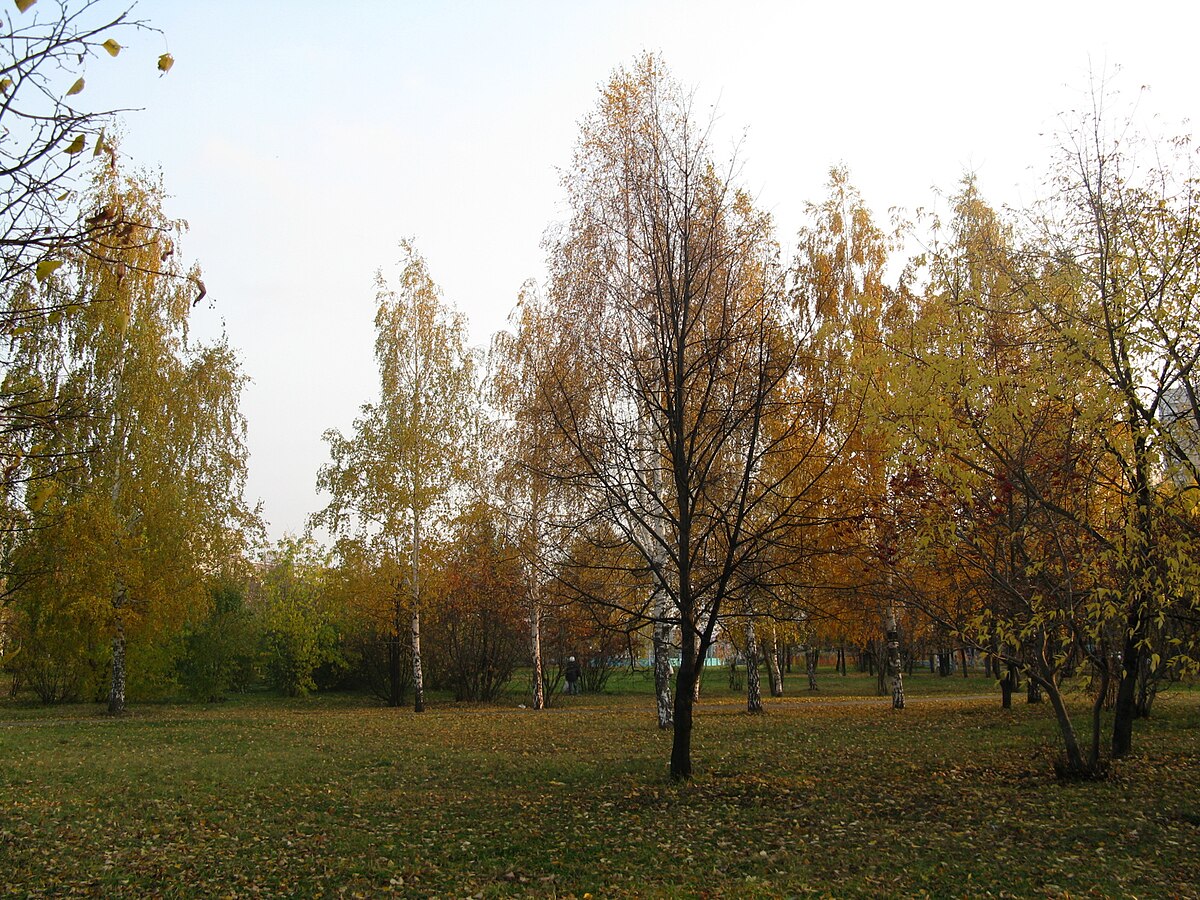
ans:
(838, 287)
(298, 629)
(47, 132)
(1115, 274)
(477, 626)
(1000, 472)
(393, 480)
(155, 499)
(675, 348)
(515, 362)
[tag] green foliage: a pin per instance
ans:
(299, 637)
(219, 654)
(56, 650)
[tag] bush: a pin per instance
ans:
(219, 654)
(57, 651)
(477, 626)
(299, 639)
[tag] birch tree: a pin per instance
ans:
(516, 360)
(392, 481)
(157, 430)
(838, 285)
(49, 133)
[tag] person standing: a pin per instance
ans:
(573, 674)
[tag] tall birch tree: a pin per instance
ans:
(392, 480)
(156, 497)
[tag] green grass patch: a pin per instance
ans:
(842, 797)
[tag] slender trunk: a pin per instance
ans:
(773, 674)
(535, 648)
(415, 623)
(1033, 691)
(116, 690)
(893, 656)
(753, 688)
(395, 661)
(810, 667)
(662, 661)
(962, 660)
(418, 674)
(1066, 728)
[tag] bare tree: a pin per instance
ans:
(676, 350)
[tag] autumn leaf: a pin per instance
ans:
(46, 268)
(112, 47)
(76, 87)
(76, 146)
(165, 62)
(23, 5)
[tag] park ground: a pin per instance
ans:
(828, 794)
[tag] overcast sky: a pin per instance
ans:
(302, 140)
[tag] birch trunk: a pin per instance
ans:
(810, 667)
(893, 661)
(116, 689)
(774, 676)
(415, 622)
(535, 646)
(662, 662)
(753, 688)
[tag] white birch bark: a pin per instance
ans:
(116, 689)
(535, 646)
(893, 660)
(662, 660)
(415, 622)
(753, 687)
(535, 597)
(773, 674)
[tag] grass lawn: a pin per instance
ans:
(820, 796)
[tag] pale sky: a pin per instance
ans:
(302, 140)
